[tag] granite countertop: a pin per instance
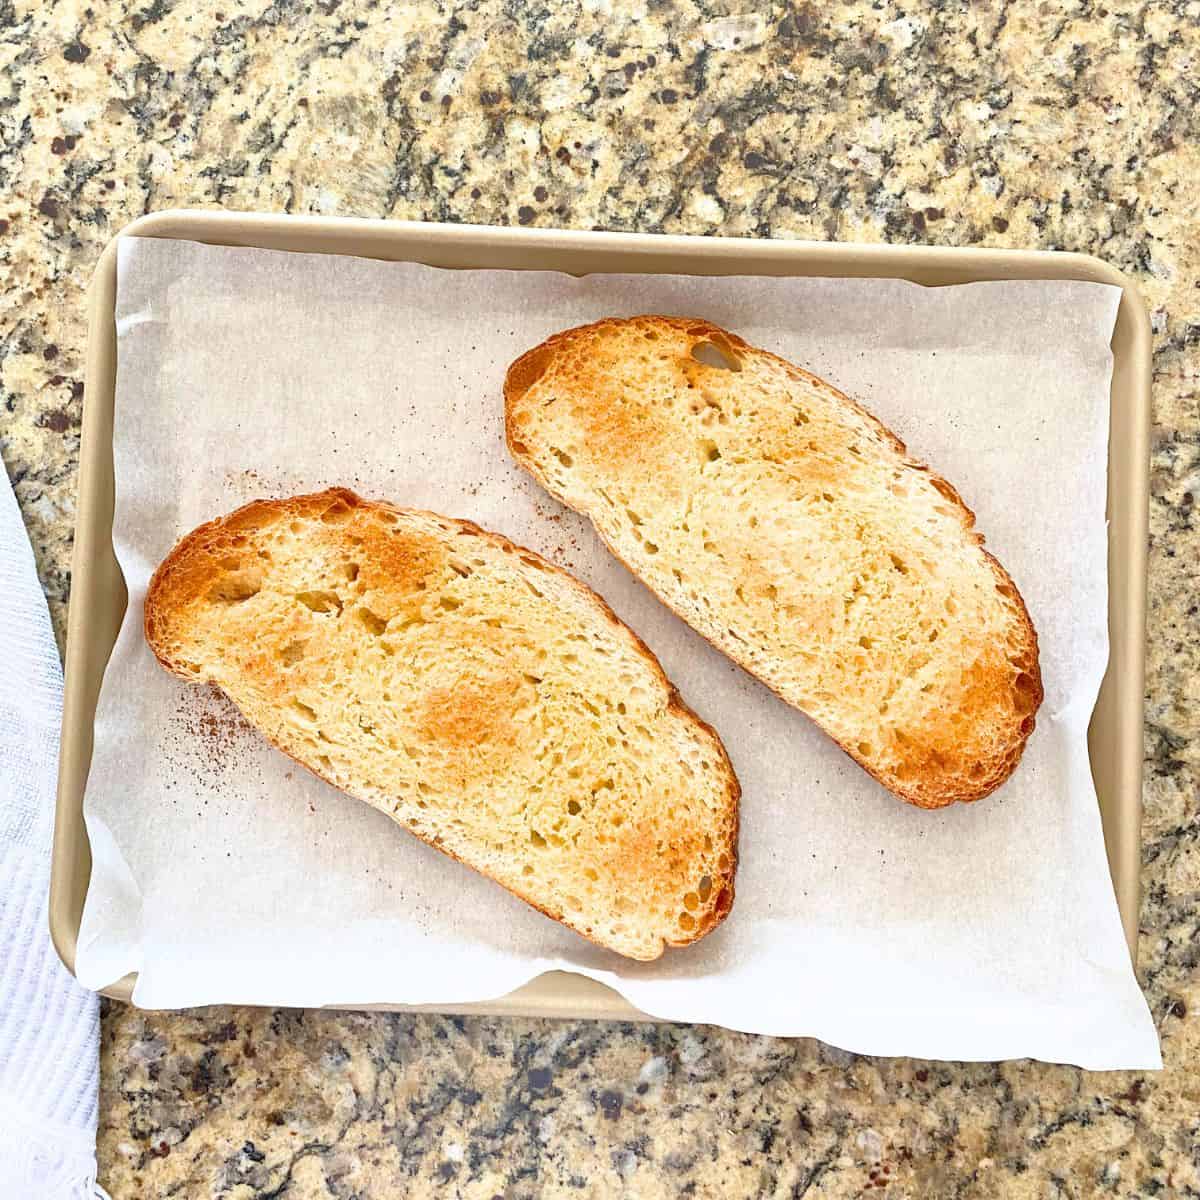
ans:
(1059, 125)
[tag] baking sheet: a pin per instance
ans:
(223, 872)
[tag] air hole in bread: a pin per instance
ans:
(536, 839)
(235, 588)
(305, 710)
(293, 652)
(687, 921)
(713, 355)
(320, 602)
(337, 514)
(449, 603)
(563, 457)
(372, 621)
(1026, 690)
(573, 807)
(899, 564)
(711, 451)
(350, 570)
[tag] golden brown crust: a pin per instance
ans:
(529, 368)
(188, 571)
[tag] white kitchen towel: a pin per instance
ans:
(49, 1025)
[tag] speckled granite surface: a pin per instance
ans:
(1051, 124)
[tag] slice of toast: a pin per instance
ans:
(789, 527)
(487, 701)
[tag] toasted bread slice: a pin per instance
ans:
(790, 528)
(487, 701)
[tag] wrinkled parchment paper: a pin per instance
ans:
(223, 872)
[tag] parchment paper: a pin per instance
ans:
(223, 872)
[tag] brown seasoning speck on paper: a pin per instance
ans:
(208, 733)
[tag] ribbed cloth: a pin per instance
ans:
(49, 1025)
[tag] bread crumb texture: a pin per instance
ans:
(789, 527)
(484, 699)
